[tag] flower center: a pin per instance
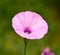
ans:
(46, 53)
(27, 30)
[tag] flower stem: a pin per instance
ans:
(25, 43)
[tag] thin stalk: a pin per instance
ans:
(25, 43)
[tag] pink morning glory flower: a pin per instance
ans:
(46, 51)
(29, 25)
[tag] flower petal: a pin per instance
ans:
(18, 23)
(32, 21)
(52, 53)
(28, 18)
(47, 49)
(38, 22)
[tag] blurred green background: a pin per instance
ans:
(12, 44)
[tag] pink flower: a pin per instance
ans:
(46, 51)
(29, 25)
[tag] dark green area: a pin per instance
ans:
(12, 44)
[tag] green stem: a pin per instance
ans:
(25, 43)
